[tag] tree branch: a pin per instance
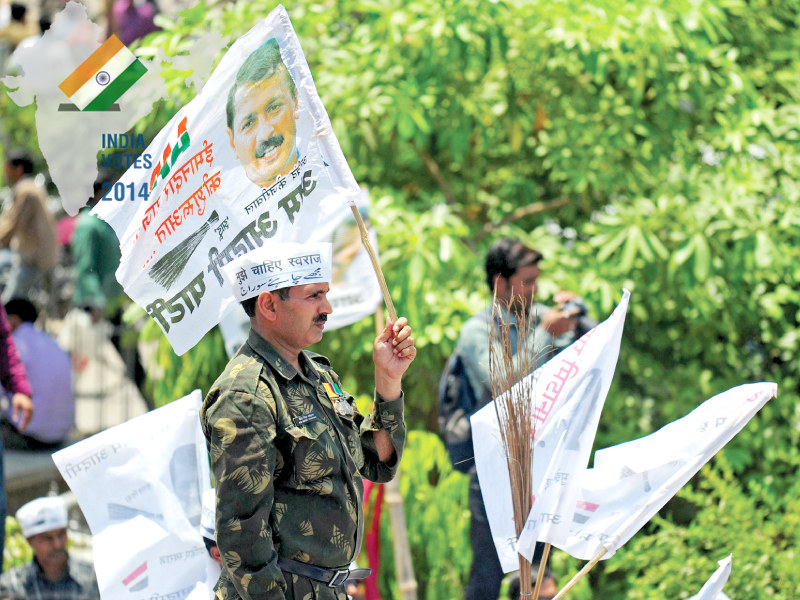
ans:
(526, 211)
(433, 168)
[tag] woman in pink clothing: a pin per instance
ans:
(15, 382)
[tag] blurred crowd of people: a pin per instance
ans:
(23, 22)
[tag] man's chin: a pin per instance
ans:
(268, 174)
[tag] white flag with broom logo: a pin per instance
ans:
(632, 481)
(252, 160)
(569, 392)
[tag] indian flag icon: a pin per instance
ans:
(101, 80)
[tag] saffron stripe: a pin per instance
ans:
(118, 87)
(141, 569)
(91, 66)
(590, 506)
(113, 68)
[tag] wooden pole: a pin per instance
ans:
(542, 567)
(580, 575)
(376, 264)
(402, 552)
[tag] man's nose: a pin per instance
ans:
(265, 128)
(326, 307)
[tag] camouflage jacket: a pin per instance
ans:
(289, 467)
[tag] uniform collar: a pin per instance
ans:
(280, 365)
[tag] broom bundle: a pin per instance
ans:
(510, 362)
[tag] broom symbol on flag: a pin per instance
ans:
(102, 78)
(170, 266)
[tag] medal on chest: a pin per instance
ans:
(340, 404)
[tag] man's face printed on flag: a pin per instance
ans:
(261, 111)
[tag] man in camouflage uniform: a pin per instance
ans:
(289, 448)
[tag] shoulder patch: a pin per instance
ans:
(318, 359)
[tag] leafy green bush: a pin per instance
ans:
(17, 551)
(437, 517)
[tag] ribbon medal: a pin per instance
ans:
(336, 395)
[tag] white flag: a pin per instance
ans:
(140, 485)
(632, 481)
(251, 160)
(712, 590)
(569, 393)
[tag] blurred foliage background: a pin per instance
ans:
(649, 144)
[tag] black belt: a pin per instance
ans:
(333, 577)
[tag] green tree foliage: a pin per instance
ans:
(649, 144)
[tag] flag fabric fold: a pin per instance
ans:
(569, 393)
(632, 481)
(712, 590)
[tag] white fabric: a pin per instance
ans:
(632, 481)
(140, 486)
(204, 206)
(208, 518)
(278, 266)
(712, 590)
(42, 514)
(569, 392)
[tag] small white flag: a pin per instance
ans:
(569, 393)
(632, 481)
(139, 485)
(712, 590)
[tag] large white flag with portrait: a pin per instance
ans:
(569, 393)
(632, 481)
(251, 160)
(140, 485)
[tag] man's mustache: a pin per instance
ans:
(321, 318)
(266, 146)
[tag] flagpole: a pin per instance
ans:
(542, 567)
(373, 256)
(580, 575)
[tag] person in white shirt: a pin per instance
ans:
(48, 370)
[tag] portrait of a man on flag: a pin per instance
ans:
(261, 116)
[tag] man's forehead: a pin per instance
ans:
(44, 535)
(308, 289)
(255, 93)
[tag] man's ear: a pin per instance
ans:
(500, 286)
(265, 306)
(215, 554)
(230, 139)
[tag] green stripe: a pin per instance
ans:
(118, 87)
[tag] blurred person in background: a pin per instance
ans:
(133, 20)
(15, 382)
(96, 256)
(48, 370)
(28, 228)
(52, 574)
(549, 584)
(17, 29)
(512, 270)
(95, 252)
